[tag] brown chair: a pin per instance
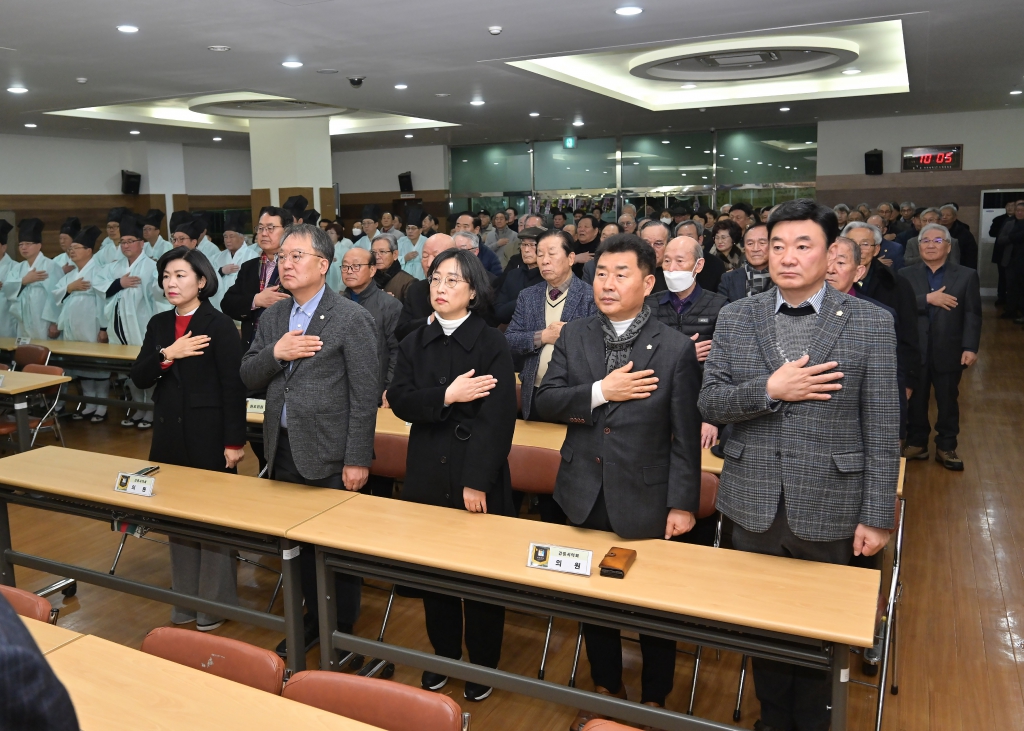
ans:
(30, 605)
(220, 656)
(533, 469)
(603, 724)
(49, 397)
(381, 703)
(30, 354)
(4, 367)
(519, 399)
(389, 455)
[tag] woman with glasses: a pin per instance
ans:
(192, 355)
(726, 236)
(455, 384)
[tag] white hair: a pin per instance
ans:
(937, 227)
(472, 237)
(854, 225)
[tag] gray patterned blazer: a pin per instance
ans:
(837, 460)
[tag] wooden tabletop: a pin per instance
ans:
(217, 498)
(116, 687)
(48, 636)
(81, 348)
(804, 598)
(15, 382)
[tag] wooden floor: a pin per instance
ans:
(962, 639)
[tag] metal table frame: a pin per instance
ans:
(827, 656)
(114, 365)
(290, 624)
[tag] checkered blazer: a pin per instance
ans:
(838, 460)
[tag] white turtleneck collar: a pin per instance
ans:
(449, 326)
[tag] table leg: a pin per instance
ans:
(6, 569)
(292, 586)
(327, 603)
(840, 685)
(21, 417)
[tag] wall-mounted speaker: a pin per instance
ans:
(873, 162)
(405, 182)
(130, 182)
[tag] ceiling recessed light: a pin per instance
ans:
(664, 142)
(745, 171)
(534, 114)
(218, 49)
(783, 109)
(1015, 92)
(703, 177)
(478, 102)
(587, 170)
(17, 89)
(494, 30)
(736, 158)
(708, 152)
(760, 163)
(128, 29)
(578, 123)
(135, 132)
(30, 126)
(568, 168)
(292, 64)
(636, 163)
(629, 10)
(401, 86)
(82, 80)
(686, 147)
(808, 143)
(497, 163)
(408, 137)
(327, 71)
(465, 161)
(851, 72)
(689, 86)
(217, 139)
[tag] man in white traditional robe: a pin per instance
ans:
(110, 247)
(156, 245)
(29, 283)
(228, 262)
(8, 325)
(68, 231)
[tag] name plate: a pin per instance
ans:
(559, 558)
(132, 484)
(1, 380)
(255, 405)
(22, 341)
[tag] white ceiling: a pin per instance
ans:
(959, 56)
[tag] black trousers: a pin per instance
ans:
(485, 627)
(947, 395)
(604, 644)
(348, 589)
(379, 486)
(792, 698)
(1001, 284)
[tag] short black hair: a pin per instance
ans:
(557, 212)
(287, 219)
(730, 227)
(742, 206)
(200, 265)
(477, 223)
(807, 209)
(646, 259)
(586, 217)
(473, 272)
(567, 243)
(919, 211)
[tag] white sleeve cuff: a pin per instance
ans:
(597, 396)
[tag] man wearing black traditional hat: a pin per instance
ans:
(370, 226)
(228, 262)
(187, 234)
(109, 250)
(8, 327)
(28, 284)
(205, 245)
(80, 315)
(410, 246)
(156, 245)
(296, 205)
(68, 231)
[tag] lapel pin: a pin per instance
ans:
(649, 347)
(839, 313)
(322, 317)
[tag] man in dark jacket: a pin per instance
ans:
(962, 233)
(710, 277)
(389, 276)
(522, 272)
(994, 231)
(416, 309)
(753, 277)
(949, 329)
(1010, 244)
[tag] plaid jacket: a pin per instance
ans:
(838, 460)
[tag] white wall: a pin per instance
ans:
(54, 165)
(290, 153)
(991, 139)
(377, 171)
(209, 171)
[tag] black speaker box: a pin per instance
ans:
(405, 182)
(873, 162)
(130, 182)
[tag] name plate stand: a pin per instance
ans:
(255, 405)
(559, 558)
(132, 484)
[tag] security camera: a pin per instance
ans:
(356, 81)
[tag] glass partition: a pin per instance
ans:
(490, 169)
(590, 165)
(766, 156)
(667, 161)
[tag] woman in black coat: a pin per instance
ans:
(455, 383)
(192, 354)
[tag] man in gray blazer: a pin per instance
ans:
(807, 377)
(315, 354)
(626, 384)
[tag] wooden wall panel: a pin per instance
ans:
(327, 203)
(434, 202)
(259, 198)
(217, 202)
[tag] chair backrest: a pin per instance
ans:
(389, 455)
(28, 354)
(221, 656)
(603, 724)
(519, 399)
(533, 469)
(27, 604)
(46, 370)
(708, 494)
(381, 703)
(4, 367)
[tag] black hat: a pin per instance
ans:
(679, 211)
(193, 229)
(88, 235)
(153, 218)
(5, 228)
(371, 211)
(71, 227)
(483, 212)
(30, 229)
(203, 219)
(235, 221)
(131, 225)
(534, 232)
(296, 205)
(116, 214)
(310, 216)
(178, 218)
(414, 217)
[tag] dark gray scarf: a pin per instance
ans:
(618, 347)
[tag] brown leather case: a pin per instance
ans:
(617, 561)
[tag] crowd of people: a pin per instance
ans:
(801, 343)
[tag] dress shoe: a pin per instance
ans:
(476, 692)
(433, 681)
(652, 704)
(949, 460)
(584, 717)
(912, 452)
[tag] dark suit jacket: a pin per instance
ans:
(462, 444)
(968, 244)
(332, 396)
(710, 277)
(31, 696)
(237, 301)
(415, 309)
(643, 454)
(889, 289)
(529, 318)
(837, 460)
(945, 334)
(734, 284)
(199, 402)
(385, 310)
(515, 279)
